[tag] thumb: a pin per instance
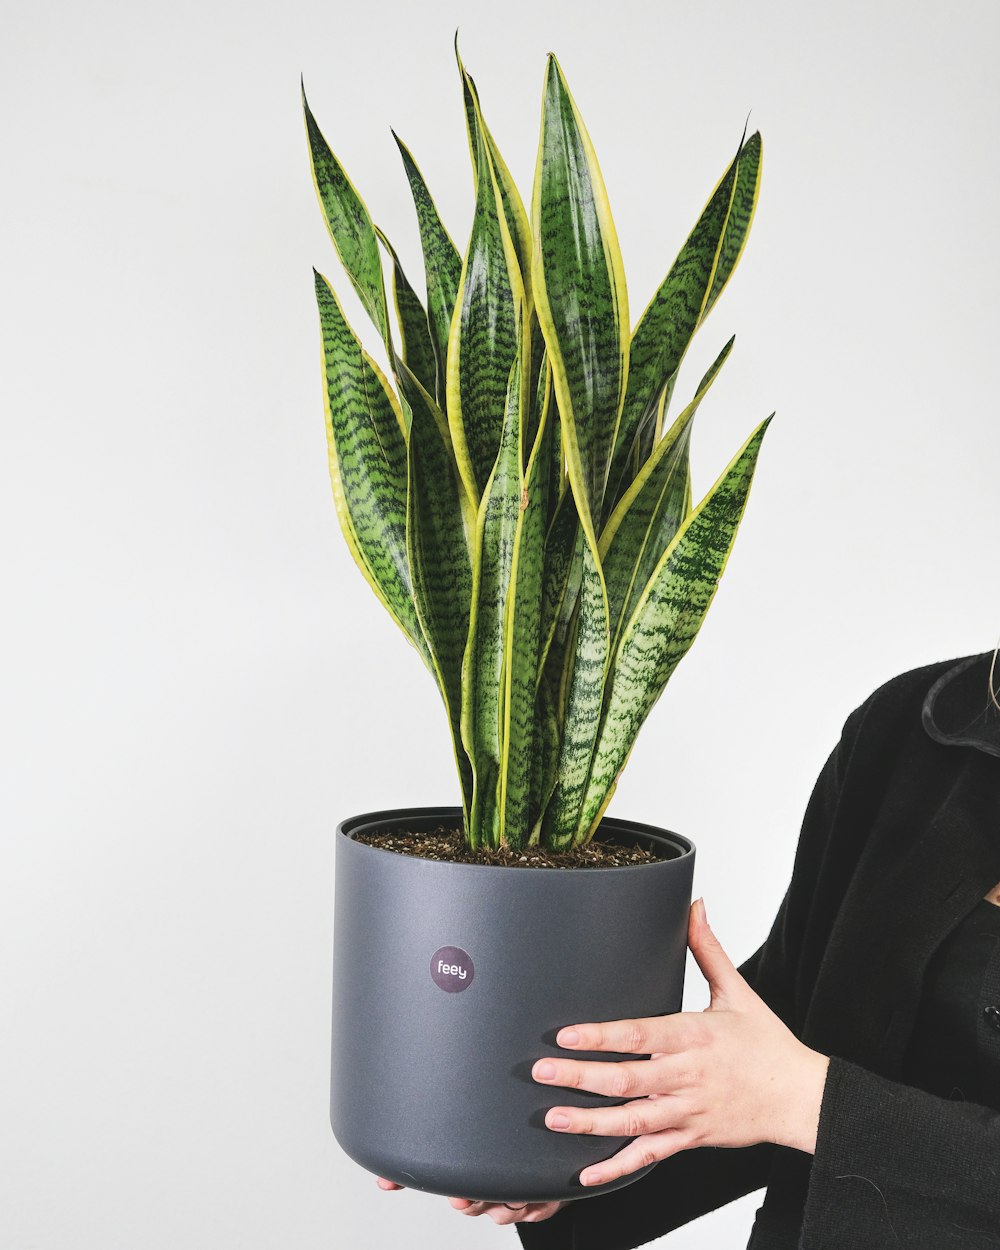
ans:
(717, 968)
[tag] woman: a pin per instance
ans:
(851, 1065)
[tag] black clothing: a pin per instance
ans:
(900, 842)
(955, 1048)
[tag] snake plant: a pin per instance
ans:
(517, 499)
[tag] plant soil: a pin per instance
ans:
(449, 844)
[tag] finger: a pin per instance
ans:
(648, 1035)
(387, 1185)
(632, 1119)
(539, 1211)
(527, 1212)
(638, 1154)
(717, 968)
(627, 1079)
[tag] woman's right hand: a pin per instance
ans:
(499, 1212)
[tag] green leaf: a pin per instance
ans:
(522, 637)
(368, 471)
(544, 756)
(563, 563)
(649, 434)
(484, 336)
(439, 561)
(579, 290)
(350, 227)
(510, 197)
(442, 266)
(418, 350)
(539, 387)
(513, 206)
(584, 698)
(741, 213)
(650, 512)
(482, 680)
(666, 621)
(681, 303)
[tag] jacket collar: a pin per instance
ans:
(899, 908)
(957, 709)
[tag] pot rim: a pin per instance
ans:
(681, 848)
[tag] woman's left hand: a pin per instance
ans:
(732, 1075)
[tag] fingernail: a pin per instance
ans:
(544, 1071)
(568, 1037)
(558, 1121)
(701, 904)
(591, 1178)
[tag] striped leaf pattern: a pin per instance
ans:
(414, 331)
(515, 503)
(484, 335)
(439, 560)
(667, 619)
(588, 654)
(483, 677)
(350, 226)
(510, 198)
(682, 301)
(544, 758)
(741, 213)
(367, 452)
(563, 556)
(522, 638)
(442, 266)
(579, 287)
(651, 511)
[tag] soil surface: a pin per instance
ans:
(449, 844)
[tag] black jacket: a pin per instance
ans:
(900, 840)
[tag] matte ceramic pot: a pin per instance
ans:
(451, 980)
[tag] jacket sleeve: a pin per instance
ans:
(696, 1181)
(897, 1166)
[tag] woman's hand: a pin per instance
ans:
(499, 1212)
(732, 1075)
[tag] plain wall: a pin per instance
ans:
(197, 684)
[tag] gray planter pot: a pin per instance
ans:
(451, 980)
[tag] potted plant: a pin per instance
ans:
(520, 505)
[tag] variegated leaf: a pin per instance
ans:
(522, 636)
(482, 678)
(650, 512)
(510, 197)
(350, 226)
(579, 290)
(417, 348)
(741, 213)
(367, 451)
(544, 757)
(439, 561)
(563, 563)
(588, 654)
(682, 301)
(666, 621)
(442, 266)
(484, 336)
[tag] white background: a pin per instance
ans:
(197, 684)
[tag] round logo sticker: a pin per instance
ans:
(452, 969)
